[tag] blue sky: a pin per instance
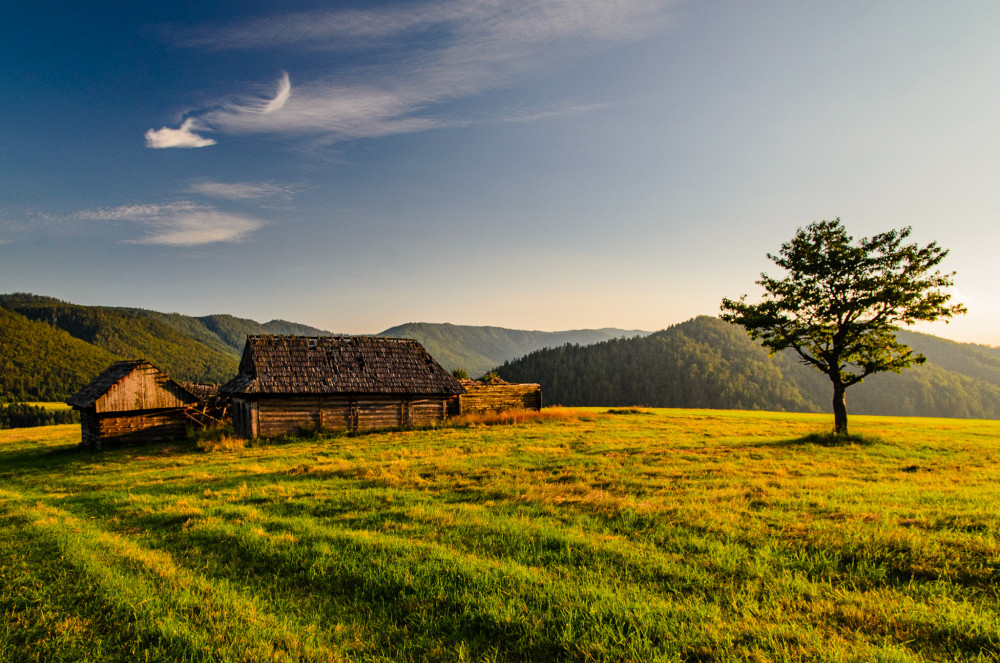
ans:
(551, 165)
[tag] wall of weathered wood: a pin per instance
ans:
(269, 416)
(99, 431)
(145, 388)
(499, 398)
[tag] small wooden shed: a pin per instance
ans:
(498, 396)
(289, 384)
(132, 401)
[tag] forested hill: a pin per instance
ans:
(479, 349)
(41, 363)
(50, 348)
(706, 362)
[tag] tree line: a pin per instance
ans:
(25, 415)
(708, 363)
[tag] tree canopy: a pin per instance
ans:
(841, 303)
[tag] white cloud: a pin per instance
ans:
(259, 106)
(138, 212)
(181, 223)
(200, 227)
(242, 190)
(185, 136)
(280, 96)
(466, 48)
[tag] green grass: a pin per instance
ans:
(50, 405)
(673, 536)
(54, 406)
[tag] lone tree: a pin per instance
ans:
(840, 304)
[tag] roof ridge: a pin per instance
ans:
(282, 363)
(110, 377)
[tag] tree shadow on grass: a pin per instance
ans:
(43, 457)
(47, 458)
(826, 439)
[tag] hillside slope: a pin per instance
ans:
(706, 362)
(41, 363)
(226, 333)
(129, 335)
(480, 349)
(50, 348)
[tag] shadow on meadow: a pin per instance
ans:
(827, 439)
(45, 459)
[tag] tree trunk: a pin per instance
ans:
(839, 409)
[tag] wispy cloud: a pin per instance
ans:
(242, 190)
(463, 48)
(565, 110)
(511, 22)
(181, 223)
(252, 109)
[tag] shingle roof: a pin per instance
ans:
(339, 365)
(108, 378)
(203, 390)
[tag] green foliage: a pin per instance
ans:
(459, 374)
(701, 363)
(489, 378)
(191, 327)
(40, 362)
(706, 362)
(840, 303)
(127, 334)
(25, 415)
(979, 362)
(678, 536)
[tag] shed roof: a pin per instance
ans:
(113, 375)
(339, 365)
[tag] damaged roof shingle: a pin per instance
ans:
(339, 365)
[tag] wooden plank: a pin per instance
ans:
(145, 388)
(498, 398)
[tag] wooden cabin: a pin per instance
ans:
(289, 384)
(132, 401)
(498, 396)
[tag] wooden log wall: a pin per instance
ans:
(90, 431)
(245, 415)
(499, 398)
(428, 411)
(279, 415)
(101, 431)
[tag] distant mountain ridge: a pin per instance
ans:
(50, 348)
(39, 362)
(708, 363)
(480, 349)
(203, 348)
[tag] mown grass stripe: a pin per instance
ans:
(672, 536)
(200, 619)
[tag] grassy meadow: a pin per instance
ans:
(50, 405)
(642, 535)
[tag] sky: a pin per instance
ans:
(552, 164)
